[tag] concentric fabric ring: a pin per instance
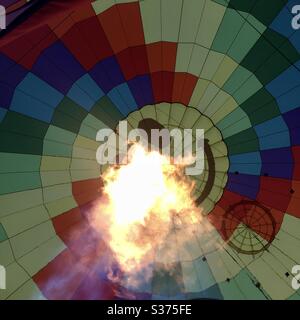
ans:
(75, 67)
(210, 184)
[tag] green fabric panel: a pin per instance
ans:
(243, 142)
(68, 115)
(21, 134)
(107, 112)
(228, 30)
(270, 56)
(261, 107)
(19, 181)
(263, 10)
(3, 235)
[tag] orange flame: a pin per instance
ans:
(146, 199)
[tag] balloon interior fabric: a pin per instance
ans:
(71, 68)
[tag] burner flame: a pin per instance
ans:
(144, 201)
